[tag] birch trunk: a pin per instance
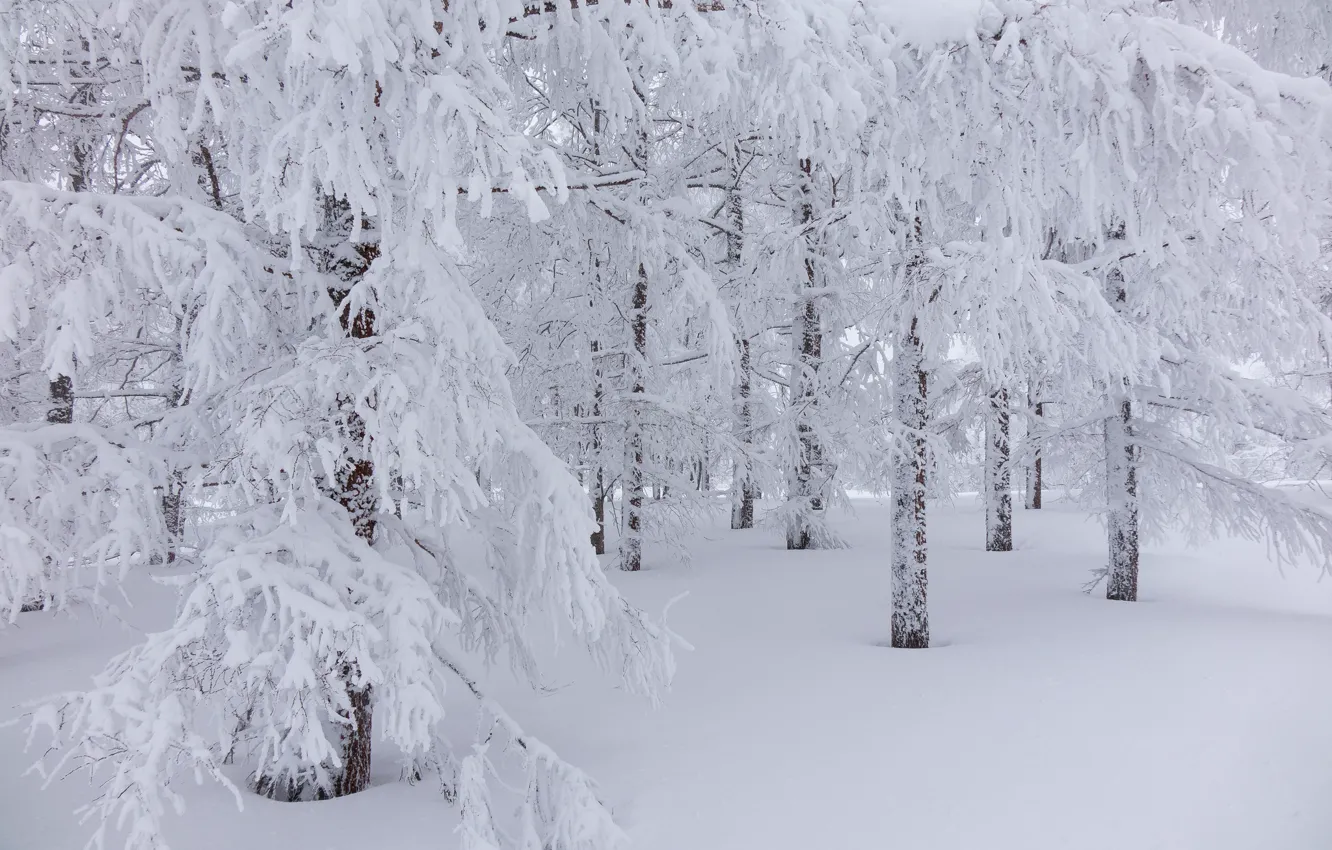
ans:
(631, 541)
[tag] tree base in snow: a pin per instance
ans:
(287, 789)
(999, 544)
(1121, 592)
(911, 640)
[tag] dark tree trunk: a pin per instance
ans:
(61, 411)
(742, 484)
(173, 513)
(1122, 495)
(599, 495)
(807, 336)
(742, 507)
(631, 542)
(910, 615)
(599, 511)
(998, 497)
(354, 489)
(61, 390)
(1034, 472)
(1121, 481)
(173, 494)
(598, 483)
(356, 742)
(911, 626)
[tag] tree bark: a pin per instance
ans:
(61, 388)
(742, 507)
(742, 483)
(61, 391)
(598, 484)
(631, 541)
(910, 619)
(354, 489)
(807, 337)
(998, 496)
(356, 743)
(1034, 471)
(599, 494)
(1121, 481)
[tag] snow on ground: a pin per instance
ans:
(1046, 719)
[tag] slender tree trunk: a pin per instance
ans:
(631, 541)
(61, 411)
(173, 494)
(742, 485)
(61, 388)
(354, 489)
(1034, 471)
(1121, 475)
(356, 493)
(807, 338)
(1122, 502)
(998, 496)
(742, 507)
(599, 510)
(598, 484)
(910, 621)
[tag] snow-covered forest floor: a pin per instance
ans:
(1043, 719)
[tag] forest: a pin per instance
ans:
(371, 348)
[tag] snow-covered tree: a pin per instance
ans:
(347, 398)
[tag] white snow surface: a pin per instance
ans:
(1044, 719)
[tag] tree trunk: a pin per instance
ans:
(910, 620)
(998, 497)
(631, 541)
(807, 339)
(354, 489)
(599, 511)
(61, 389)
(1034, 472)
(356, 742)
(1121, 483)
(599, 495)
(61, 411)
(173, 513)
(173, 494)
(598, 485)
(742, 487)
